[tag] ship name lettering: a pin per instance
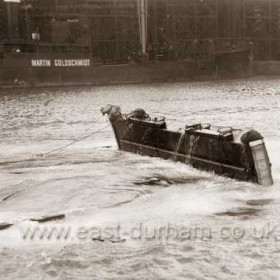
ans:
(40, 62)
(71, 62)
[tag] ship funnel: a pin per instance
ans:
(142, 16)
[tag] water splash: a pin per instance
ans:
(179, 144)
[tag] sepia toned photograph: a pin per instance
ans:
(139, 139)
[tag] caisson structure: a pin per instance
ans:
(230, 152)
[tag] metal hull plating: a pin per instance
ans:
(39, 69)
(18, 70)
(225, 151)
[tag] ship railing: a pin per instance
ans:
(31, 47)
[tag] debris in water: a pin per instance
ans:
(259, 202)
(240, 212)
(110, 240)
(98, 239)
(49, 218)
(154, 182)
(4, 226)
(165, 181)
(8, 197)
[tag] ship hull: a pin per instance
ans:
(199, 163)
(59, 69)
(222, 157)
(18, 71)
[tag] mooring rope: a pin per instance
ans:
(73, 142)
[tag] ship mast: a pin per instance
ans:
(143, 18)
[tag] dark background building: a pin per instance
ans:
(175, 28)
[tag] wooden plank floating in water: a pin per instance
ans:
(8, 197)
(240, 212)
(110, 240)
(49, 218)
(4, 226)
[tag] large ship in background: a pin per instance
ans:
(69, 42)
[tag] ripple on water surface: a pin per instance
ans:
(92, 183)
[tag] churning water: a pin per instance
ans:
(96, 186)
